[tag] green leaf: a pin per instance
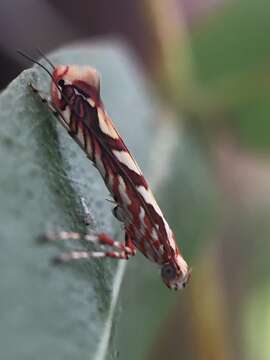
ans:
(63, 312)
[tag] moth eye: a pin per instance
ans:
(168, 272)
(61, 82)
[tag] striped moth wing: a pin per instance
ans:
(75, 93)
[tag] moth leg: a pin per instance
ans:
(102, 239)
(77, 255)
(44, 98)
(129, 244)
(51, 108)
(123, 252)
(59, 116)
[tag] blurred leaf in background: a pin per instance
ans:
(231, 51)
(226, 106)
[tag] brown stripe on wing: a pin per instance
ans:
(119, 166)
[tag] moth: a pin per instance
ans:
(77, 105)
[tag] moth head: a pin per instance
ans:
(174, 277)
(84, 79)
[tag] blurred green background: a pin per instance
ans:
(207, 61)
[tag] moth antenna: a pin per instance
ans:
(47, 71)
(45, 58)
(35, 62)
(43, 67)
